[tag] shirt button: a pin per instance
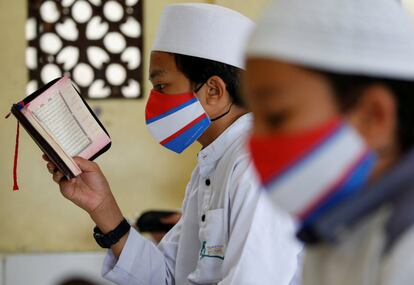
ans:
(203, 218)
(208, 182)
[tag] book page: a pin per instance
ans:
(56, 116)
(55, 145)
(64, 115)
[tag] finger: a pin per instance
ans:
(51, 168)
(66, 188)
(45, 158)
(57, 176)
(63, 179)
(86, 165)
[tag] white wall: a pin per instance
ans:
(409, 5)
(50, 269)
(1, 270)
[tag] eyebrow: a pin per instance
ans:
(155, 73)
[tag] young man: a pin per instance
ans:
(331, 86)
(194, 68)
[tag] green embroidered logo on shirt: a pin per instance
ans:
(215, 251)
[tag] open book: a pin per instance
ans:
(62, 124)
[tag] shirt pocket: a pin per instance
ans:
(213, 239)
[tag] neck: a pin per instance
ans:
(218, 127)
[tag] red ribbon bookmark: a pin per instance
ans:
(16, 155)
(20, 105)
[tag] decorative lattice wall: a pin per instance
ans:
(96, 42)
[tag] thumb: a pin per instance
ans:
(86, 165)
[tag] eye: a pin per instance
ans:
(159, 87)
(276, 120)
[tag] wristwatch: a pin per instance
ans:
(111, 238)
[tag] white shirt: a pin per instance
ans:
(359, 258)
(215, 242)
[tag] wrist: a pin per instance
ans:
(112, 238)
(107, 215)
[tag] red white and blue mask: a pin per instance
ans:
(311, 172)
(175, 120)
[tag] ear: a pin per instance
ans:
(216, 90)
(375, 117)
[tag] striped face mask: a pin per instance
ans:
(175, 120)
(309, 173)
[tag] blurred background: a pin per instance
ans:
(43, 236)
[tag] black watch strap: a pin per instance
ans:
(111, 238)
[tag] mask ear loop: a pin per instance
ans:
(199, 87)
(222, 115)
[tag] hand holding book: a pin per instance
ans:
(91, 192)
(71, 136)
(62, 124)
(77, 189)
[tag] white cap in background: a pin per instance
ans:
(204, 30)
(362, 37)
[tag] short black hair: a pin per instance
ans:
(348, 89)
(199, 70)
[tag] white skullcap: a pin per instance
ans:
(361, 37)
(204, 30)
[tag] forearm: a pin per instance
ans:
(107, 217)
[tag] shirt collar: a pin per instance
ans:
(208, 157)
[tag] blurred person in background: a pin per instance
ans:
(157, 223)
(331, 86)
(77, 281)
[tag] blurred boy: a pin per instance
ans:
(331, 86)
